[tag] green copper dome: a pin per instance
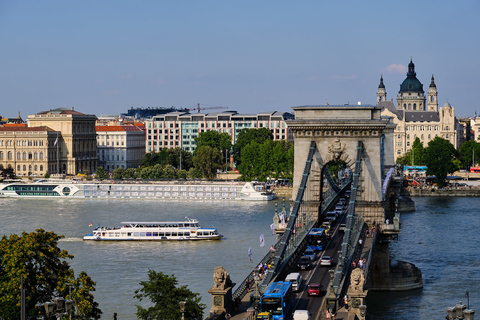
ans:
(411, 83)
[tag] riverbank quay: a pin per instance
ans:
(468, 191)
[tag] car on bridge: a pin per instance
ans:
(311, 254)
(314, 289)
(326, 261)
(304, 263)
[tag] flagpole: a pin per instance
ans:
(58, 159)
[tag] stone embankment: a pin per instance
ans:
(445, 192)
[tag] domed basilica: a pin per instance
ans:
(417, 115)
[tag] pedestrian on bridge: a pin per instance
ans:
(345, 301)
(328, 315)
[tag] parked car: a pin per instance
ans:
(314, 289)
(326, 261)
(342, 227)
(304, 263)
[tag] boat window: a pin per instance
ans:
(161, 234)
(168, 234)
(180, 225)
(174, 234)
(117, 234)
(129, 234)
(142, 234)
(149, 234)
(155, 234)
(136, 234)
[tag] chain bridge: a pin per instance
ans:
(363, 140)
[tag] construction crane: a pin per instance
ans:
(198, 108)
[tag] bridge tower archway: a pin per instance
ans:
(336, 131)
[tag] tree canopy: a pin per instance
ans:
(214, 139)
(36, 257)
(163, 293)
(439, 158)
(249, 135)
(469, 153)
(268, 159)
(208, 160)
(415, 156)
(101, 173)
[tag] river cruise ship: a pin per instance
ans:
(158, 190)
(155, 231)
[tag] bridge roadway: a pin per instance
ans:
(318, 274)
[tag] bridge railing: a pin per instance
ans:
(354, 227)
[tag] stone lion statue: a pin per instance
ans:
(221, 278)
(356, 280)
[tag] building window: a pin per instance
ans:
(24, 156)
(1, 155)
(41, 167)
(9, 155)
(18, 168)
(19, 157)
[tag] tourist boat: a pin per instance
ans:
(155, 231)
(158, 190)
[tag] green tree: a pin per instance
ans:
(418, 153)
(149, 159)
(118, 173)
(245, 137)
(194, 173)
(47, 175)
(439, 158)
(146, 173)
(8, 172)
(169, 172)
(469, 153)
(36, 257)
(208, 160)
(163, 293)
(214, 139)
(130, 173)
(252, 165)
(414, 156)
(182, 174)
(157, 172)
(101, 173)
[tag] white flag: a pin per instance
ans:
(272, 227)
(56, 141)
(250, 253)
(282, 220)
(262, 241)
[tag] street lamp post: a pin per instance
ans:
(182, 308)
(460, 312)
(57, 306)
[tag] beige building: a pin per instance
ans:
(77, 138)
(418, 115)
(120, 146)
(29, 151)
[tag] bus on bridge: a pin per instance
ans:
(277, 301)
(315, 238)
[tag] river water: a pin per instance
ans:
(440, 237)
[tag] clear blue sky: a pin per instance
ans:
(102, 57)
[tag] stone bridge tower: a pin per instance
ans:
(336, 131)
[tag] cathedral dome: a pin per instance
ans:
(411, 83)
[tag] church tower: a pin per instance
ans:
(432, 96)
(381, 93)
(411, 96)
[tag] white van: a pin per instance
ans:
(301, 315)
(296, 279)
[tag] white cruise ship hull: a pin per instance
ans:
(246, 191)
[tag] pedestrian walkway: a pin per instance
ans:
(241, 313)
